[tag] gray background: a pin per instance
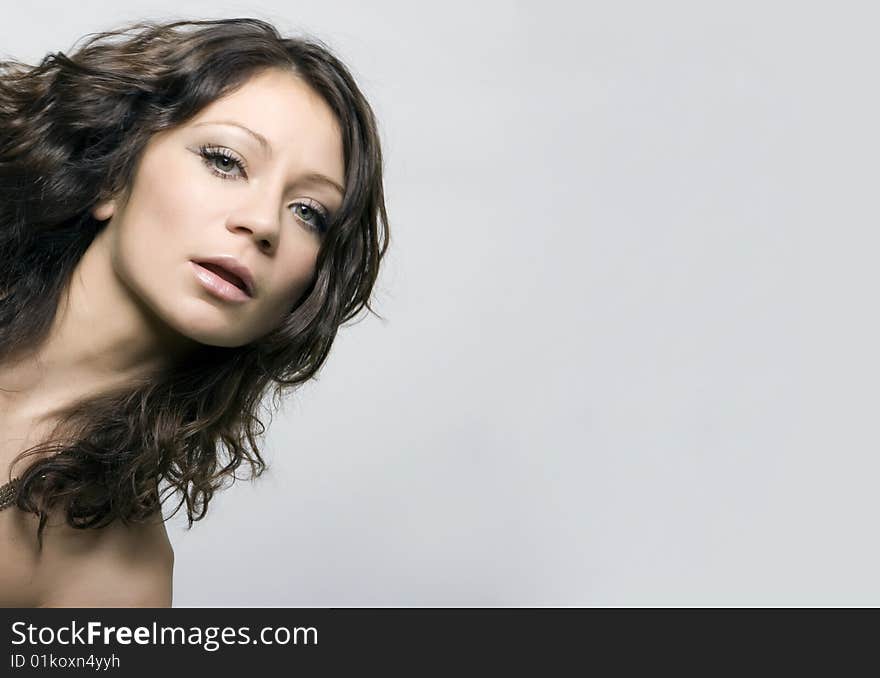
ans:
(629, 355)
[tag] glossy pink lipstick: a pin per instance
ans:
(218, 286)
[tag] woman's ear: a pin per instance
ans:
(103, 210)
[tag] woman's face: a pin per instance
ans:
(209, 188)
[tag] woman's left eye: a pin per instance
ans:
(312, 214)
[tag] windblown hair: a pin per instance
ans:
(72, 130)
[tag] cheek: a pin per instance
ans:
(167, 203)
(153, 212)
(295, 275)
(302, 269)
(149, 241)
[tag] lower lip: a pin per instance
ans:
(219, 287)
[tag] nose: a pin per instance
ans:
(259, 215)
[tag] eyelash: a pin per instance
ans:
(211, 153)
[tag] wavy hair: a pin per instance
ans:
(72, 129)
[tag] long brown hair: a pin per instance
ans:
(71, 131)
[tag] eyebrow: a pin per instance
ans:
(267, 147)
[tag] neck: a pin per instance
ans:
(102, 337)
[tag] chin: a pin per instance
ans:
(207, 326)
(218, 338)
(220, 343)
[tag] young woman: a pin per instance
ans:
(188, 213)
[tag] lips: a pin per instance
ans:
(228, 276)
(231, 270)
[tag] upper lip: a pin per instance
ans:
(235, 267)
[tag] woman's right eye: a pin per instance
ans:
(222, 162)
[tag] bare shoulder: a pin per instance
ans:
(115, 566)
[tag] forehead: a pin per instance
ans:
(295, 119)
